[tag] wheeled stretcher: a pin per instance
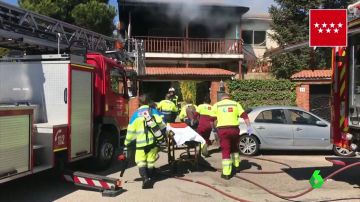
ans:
(182, 137)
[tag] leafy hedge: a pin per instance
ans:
(252, 93)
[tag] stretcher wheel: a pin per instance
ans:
(190, 147)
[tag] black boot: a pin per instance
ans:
(226, 177)
(235, 170)
(145, 177)
(152, 173)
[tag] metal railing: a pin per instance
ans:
(191, 45)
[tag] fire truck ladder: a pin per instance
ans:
(30, 32)
(25, 30)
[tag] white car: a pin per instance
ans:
(286, 128)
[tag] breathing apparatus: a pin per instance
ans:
(154, 127)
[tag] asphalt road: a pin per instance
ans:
(344, 187)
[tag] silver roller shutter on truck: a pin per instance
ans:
(14, 144)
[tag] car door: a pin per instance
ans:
(273, 129)
(307, 134)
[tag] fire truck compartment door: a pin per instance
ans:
(81, 113)
(15, 141)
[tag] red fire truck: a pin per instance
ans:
(345, 120)
(57, 106)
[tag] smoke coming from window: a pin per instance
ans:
(214, 14)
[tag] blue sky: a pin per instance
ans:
(256, 6)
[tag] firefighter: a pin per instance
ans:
(147, 128)
(228, 112)
(173, 97)
(189, 115)
(168, 109)
(206, 123)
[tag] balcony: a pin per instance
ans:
(192, 48)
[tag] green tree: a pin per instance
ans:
(290, 21)
(95, 15)
(87, 16)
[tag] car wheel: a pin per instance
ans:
(343, 152)
(248, 145)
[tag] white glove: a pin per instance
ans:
(250, 130)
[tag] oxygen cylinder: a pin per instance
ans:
(153, 126)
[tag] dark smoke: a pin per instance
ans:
(201, 11)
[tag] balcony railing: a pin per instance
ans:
(192, 45)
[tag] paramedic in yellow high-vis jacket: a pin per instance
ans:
(146, 142)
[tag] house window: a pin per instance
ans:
(260, 38)
(247, 36)
(251, 37)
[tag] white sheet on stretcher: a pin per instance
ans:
(185, 134)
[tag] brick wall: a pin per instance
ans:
(303, 96)
(213, 91)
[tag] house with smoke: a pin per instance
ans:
(256, 35)
(191, 40)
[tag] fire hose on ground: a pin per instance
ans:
(254, 183)
(304, 192)
(259, 185)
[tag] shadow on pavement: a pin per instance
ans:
(48, 186)
(215, 150)
(350, 176)
(246, 164)
(296, 152)
(45, 186)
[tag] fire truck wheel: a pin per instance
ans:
(249, 145)
(343, 152)
(105, 153)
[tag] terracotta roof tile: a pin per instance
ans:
(310, 74)
(190, 71)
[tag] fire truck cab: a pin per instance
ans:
(57, 108)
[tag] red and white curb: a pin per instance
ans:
(93, 183)
(89, 182)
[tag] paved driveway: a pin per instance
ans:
(345, 187)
